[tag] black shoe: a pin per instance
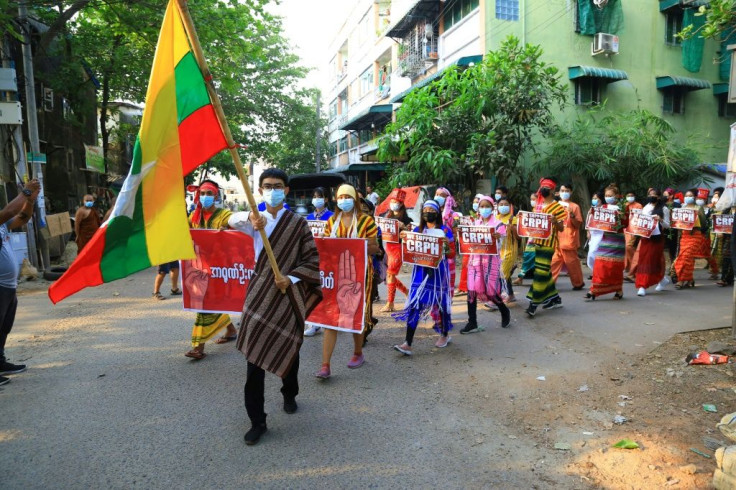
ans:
(8, 368)
(4, 380)
(531, 310)
(578, 288)
(290, 405)
(505, 316)
(254, 434)
(470, 328)
(557, 303)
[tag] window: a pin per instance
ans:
(333, 109)
(724, 108)
(673, 101)
(673, 25)
(366, 82)
(343, 144)
(456, 10)
(588, 91)
(507, 9)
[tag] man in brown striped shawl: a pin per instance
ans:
(272, 324)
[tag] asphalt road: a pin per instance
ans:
(109, 400)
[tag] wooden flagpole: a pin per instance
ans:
(199, 55)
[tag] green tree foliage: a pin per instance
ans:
(635, 150)
(720, 20)
(474, 123)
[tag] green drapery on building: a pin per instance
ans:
(592, 20)
(728, 37)
(692, 49)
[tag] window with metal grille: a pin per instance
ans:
(673, 25)
(724, 108)
(507, 9)
(588, 91)
(673, 101)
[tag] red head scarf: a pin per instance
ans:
(549, 184)
(205, 186)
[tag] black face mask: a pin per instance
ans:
(653, 199)
(429, 217)
(545, 192)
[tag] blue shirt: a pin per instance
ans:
(8, 263)
(262, 207)
(327, 214)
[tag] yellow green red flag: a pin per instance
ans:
(179, 131)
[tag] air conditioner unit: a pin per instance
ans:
(604, 44)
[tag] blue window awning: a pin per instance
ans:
(374, 116)
(608, 74)
(463, 62)
(720, 88)
(684, 83)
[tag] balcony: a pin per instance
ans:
(416, 58)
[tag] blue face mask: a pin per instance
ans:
(207, 201)
(485, 212)
(504, 209)
(346, 205)
(497, 197)
(610, 200)
(594, 202)
(565, 196)
(440, 200)
(88, 204)
(274, 197)
(318, 202)
(475, 207)
(677, 201)
(689, 199)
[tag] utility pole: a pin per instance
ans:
(317, 150)
(32, 116)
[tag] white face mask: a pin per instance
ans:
(700, 202)
(394, 206)
(630, 199)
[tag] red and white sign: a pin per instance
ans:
(422, 249)
(603, 219)
(722, 223)
(216, 281)
(683, 218)
(467, 221)
(343, 264)
(534, 225)
(642, 225)
(477, 240)
(389, 229)
(317, 227)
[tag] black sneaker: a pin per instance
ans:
(557, 303)
(290, 405)
(470, 328)
(9, 368)
(254, 434)
(531, 310)
(4, 380)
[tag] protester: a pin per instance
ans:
(207, 215)
(706, 252)
(527, 261)
(320, 200)
(350, 222)
(569, 241)
(631, 241)
(671, 237)
(608, 271)
(443, 197)
(271, 342)
(12, 217)
(692, 244)
(509, 248)
(171, 268)
(462, 287)
(397, 211)
(379, 272)
(430, 288)
(651, 266)
(485, 282)
(371, 195)
(721, 246)
(594, 236)
(86, 222)
(543, 290)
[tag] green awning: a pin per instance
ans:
(374, 117)
(463, 62)
(668, 4)
(353, 168)
(720, 88)
(682, 82)
(596, 72)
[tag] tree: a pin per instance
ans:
(475, 123)
(720, 20)
(635, 150)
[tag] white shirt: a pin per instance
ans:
(373, 197)
(648, 208)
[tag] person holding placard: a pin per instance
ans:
(692, 244)
(462, 288)
(351, 222)
(430, 288)
(443, 197)
(594, 236)
(509, 249)
(321, 212)
(527, 260)
(631, 241)
(485, 282)
(397, 211)
(608, 270)
(706, 252)
(567, 250)
(543, 290)
(651, 266)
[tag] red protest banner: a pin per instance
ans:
(603, 219)
(683, 218)
(467, 221)
(534, 225)
(343, 263)
(422, 249)
(317, 227)
(722, 223)
(389, 229)
(642, 224)
(477, 240)
(216, 281)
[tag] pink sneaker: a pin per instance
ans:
(356, 361)
(443, 341)
(324, 372)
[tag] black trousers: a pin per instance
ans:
(255, 387)
(8, 305)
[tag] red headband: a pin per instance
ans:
(208, 186)
(549, 183)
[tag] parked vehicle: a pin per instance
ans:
(301, 186)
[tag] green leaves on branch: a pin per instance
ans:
(720, 20)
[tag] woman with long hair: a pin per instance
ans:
(509, 249)
(692, 244)
(485, 282)
(651, 266)
(397, 211)
(443, 197)
(608, 270)
(594, 236)
(462, 287)
(350, 222)
(320, 201)
(527, 259)
(430, 289)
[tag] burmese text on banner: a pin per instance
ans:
(477, 240)
(534, 225)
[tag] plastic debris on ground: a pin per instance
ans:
(704, 357)
(626, 444)
(710, 408)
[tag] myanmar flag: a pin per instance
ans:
(179, 131)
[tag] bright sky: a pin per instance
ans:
(310, 25)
